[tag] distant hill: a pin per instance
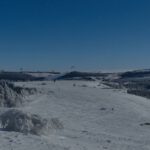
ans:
(136, 74)
(18, 76)
(75, 75)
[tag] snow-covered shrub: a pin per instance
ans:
(19, 121)
(12, 96)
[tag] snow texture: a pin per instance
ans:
(89, 117)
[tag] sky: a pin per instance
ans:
(88, 34)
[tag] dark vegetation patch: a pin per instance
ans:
(138, 87)
(103, 109)
(75, 75)
(143, 93)
(136, 74)
(136, 82)
(18, 76)
(145, 124)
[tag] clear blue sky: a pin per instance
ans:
(89, 34)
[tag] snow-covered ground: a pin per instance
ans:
(94, 117)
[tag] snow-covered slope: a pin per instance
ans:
(94, 117)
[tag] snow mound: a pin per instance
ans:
(12, 96)
(19, 121)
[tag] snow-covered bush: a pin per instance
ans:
(12, 96)
(19, 121)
